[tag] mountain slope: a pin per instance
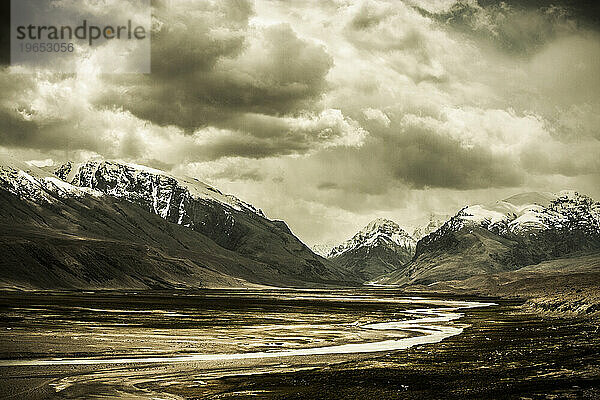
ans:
(563, 286)
(380, 247)
(57, 235)
(507, 235)
(230, 222)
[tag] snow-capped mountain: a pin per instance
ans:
(379, 232)
(435, 221)
(181, 200)
(321, 249)
(506, 235)
(528, 214)
(378, 248)
(161, 193)
(31, 183)
(229, 221)
(117, 225)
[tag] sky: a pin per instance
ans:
(330, 113)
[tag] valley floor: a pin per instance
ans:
(503, 352)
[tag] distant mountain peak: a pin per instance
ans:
(435, 221)
(378, 232)
(382, 224)
(35, 184)
(530, 212)
(380, 247)
(321, 249)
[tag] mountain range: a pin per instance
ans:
(507, 235)
(116, 225)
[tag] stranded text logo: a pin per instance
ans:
(107, 36)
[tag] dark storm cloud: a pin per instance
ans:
(516, 27)
(14, 126)
(258, 136)
(15, 131)
(20, 123)
(46, 134)
(50, 112)
(327, 186)
(425, 159)
(183, 40)
(278, 78)
(207, 70)
(249, 147)
(586, 12)
(417, 155)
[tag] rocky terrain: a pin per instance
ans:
(505, 236)
(380, 247)
(122, 226)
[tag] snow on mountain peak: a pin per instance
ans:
(32, 183)
(123, 179)
(434, 223)
(571, 194)
(321, 249)
(530, 212)
(381, 223)
(379, 232)
(530, 198)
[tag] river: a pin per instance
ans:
(116, 341)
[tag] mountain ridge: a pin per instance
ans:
(80, 235)
(504, 236)
(380, 247)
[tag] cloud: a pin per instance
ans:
(579, 120)
(408, 40)
(430, 160)
(566, 69)
(205, 71)
(570, 161)
(339, 110)
(259, 136)
(236, 89)
(516, 29)
(376, 115)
